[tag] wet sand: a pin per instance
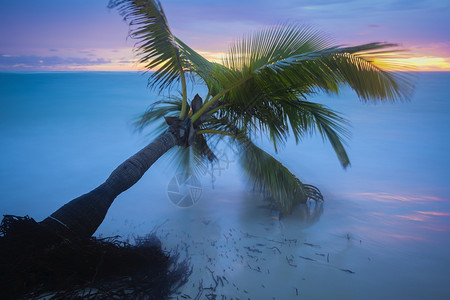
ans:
(241, 250)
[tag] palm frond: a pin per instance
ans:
(273, 44)
(202, 67)
(328, 123)
(156, 46)
(266, 173)
(279, 119)
(274, 179)
(194, 159)
(185, 160)
(356, 66)
(269, 75)
(292, 58)
(156, 113)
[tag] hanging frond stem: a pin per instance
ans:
(216, 109)
(208, 96)
(184, 102)
(212, 131)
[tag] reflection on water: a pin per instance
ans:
(401, 216)
(385, 197)
(242, 259)
(382, 232)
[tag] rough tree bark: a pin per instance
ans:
(81, 217)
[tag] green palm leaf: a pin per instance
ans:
(190, 160)
(156, 46)
(273, 44)
(269, 75)
(286, 116)
(274, 179)
(266, 173)
(156, 113)
(202, 67)
(328, 123)
(187, 160)
(262, 89)
(298, 58)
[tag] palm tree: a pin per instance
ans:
(261, 88)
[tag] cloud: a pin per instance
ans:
(211, 26)
(434, 213)
(126, 61)
(33, 62)
(375, 26)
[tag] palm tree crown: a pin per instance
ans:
(260, 88)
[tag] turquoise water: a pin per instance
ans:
(386, 218)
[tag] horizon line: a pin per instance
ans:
(145, 71)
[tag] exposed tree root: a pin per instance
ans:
(35, 262)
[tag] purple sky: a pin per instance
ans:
(85, 35)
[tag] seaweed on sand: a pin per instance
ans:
(36, 263)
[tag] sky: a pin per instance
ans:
(79, 35)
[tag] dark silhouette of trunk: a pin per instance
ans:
(81, 217)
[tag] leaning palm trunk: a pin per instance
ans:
(81, 217)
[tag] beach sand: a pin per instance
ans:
(239, 249)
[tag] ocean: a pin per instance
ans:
(382, 232)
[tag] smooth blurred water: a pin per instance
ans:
(386, 218)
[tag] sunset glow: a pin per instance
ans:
(75, 36)
(234, 149)
(108, 62)
(419, 64)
